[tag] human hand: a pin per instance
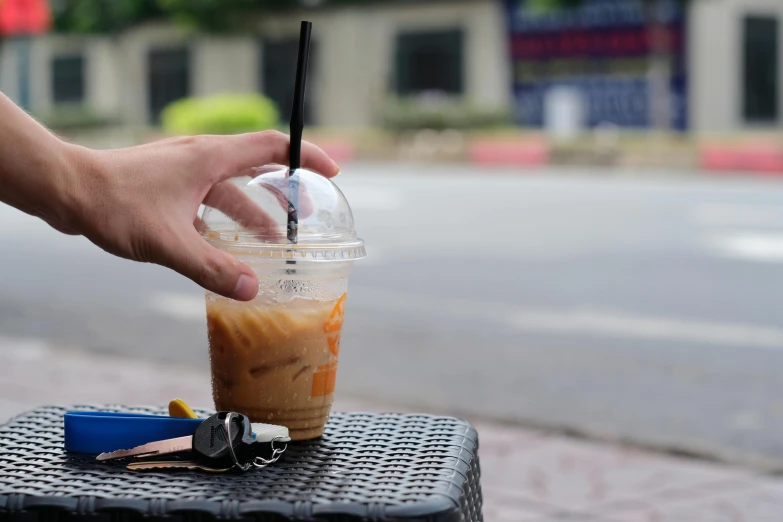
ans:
(141, 203)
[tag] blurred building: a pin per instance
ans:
(724, 67)
(734, 64)
(721, 72)
(359, 56)
(602, 52)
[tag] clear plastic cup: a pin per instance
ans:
(275, 358)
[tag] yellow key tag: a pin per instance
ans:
(179, 408)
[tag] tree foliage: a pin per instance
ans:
(102, 16)
(109, 16)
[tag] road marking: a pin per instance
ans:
(185, 307)
(592, 322)
(604, 323)
(759, 247)
(24, 349)
(732, 214)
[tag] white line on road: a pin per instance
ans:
(185, 307)
(591, 322)
(24, 349)
(734, 214)
(759, 247)
(607, 323)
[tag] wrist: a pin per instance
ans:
(80, 171)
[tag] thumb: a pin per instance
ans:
(213, 269)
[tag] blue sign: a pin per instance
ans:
(602, 48)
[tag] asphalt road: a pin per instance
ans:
(647, 308)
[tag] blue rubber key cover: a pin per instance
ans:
(99, 432)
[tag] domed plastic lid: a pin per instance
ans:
(250, 215)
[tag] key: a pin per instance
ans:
(209, 443)
(153, 465)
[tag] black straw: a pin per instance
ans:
(297, 125)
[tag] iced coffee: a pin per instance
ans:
(276, 364)
(275, 358)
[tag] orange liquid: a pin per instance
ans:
(276, 363)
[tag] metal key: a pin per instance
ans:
(209, 443)
(153, 465)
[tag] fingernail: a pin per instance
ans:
(246, 289)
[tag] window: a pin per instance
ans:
(68, 79)
(169, 79)
(279, 74)
(430, 61)
(760, 74)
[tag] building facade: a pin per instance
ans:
(359, 57)
(734, 59)
(602, 52)
(726, 73)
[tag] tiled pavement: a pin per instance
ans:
(528, 475)
(533, 476)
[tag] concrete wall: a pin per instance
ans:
(350, 79)
(715, 61)
(356, 53)
(347, 84)
(101, 86)
(132, 66)
(224, 65)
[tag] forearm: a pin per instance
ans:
(36, 167)
(141, 202)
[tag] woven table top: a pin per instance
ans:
(366, 466)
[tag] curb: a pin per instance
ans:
(525, 153)
(753, 159)
(339, 150)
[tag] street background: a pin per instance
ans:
(573, 215)
(641, 308)
(528, 475)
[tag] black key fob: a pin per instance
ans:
(211, 443)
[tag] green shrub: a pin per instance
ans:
(220, 114)
(440, 114)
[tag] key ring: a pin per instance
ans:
(227, 427)
(258, 462)
(261, 463)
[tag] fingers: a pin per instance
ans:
(233, 202)
(211, 268)
(266, 169)
(244, 151)
(279, 189)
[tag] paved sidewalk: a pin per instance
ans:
(528, 475)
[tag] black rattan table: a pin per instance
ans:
(366, 467)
